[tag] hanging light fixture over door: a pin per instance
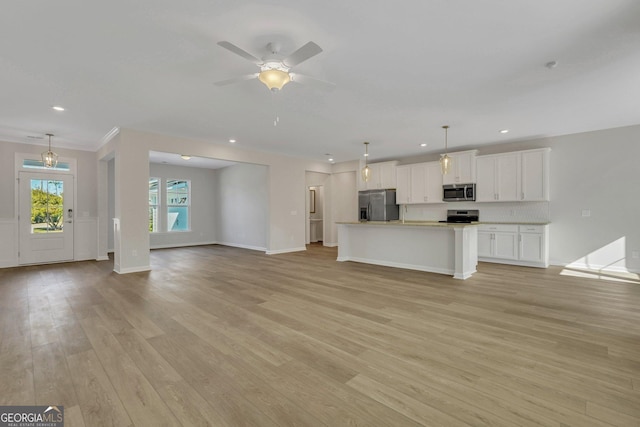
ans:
(445, 160)
(49, 158)
(366, 170)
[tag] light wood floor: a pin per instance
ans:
(230, 337)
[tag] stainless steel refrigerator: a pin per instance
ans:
(378, 205)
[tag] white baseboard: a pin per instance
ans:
(330, 245)
(183, 245)
(103, 258)
(284, 251)
(594, 267)
(241, 246)
(400, 265)
(132, 269)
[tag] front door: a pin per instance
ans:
(46, 217)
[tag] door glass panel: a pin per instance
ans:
(47, 202)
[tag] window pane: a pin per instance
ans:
(178, 193)
(47, 202)
(177, 218)
(178, 201)
(37, 164)
(153, 204)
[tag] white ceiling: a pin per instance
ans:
(402, 69)
(193, 161)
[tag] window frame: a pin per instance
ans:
(157, 205)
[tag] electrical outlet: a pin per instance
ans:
(134, 252)
(586, 213)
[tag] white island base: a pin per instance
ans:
(438, 248)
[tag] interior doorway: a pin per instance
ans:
(46, 212)
(315, 223)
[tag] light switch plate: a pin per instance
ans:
(586, 213)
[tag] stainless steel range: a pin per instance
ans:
(462, 216)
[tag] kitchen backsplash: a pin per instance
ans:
(489, 212)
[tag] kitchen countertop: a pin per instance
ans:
(412, 223)
(439, 224)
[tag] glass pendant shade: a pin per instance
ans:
(366, 173)
(366, 170)
(49, 158)
(445, 160)
(274, 79)
(445, 164)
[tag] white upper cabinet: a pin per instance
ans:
(419, 183)
(403, 184)
(498, 178)
(535, 175)
(463, 168)
(517, 176)
(383, 176)
(433, 184)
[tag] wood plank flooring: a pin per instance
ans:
(230, 337)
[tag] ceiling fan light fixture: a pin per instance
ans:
(274, 79)
(49, 158)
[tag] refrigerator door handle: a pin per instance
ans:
(369, 211)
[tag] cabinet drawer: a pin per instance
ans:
(504, 228)
(532, 229)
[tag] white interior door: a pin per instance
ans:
(46, 217)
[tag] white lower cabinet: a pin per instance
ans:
(514, 244)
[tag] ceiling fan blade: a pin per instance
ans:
(305, 52)
(235, 49)
(236, 79)
(308, 80)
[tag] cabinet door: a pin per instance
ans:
(387, 175)
(486, 174)
(463, 168)
(403, 184)
(534, 175)
(466, 168)
(433, 183)
(417, 183)
(506, 245)
(531, 247)
(485, 240)
(507, 177)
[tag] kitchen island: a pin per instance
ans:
(426, 246)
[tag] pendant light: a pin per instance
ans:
(49, 158)
(445, 160)
(366, 170)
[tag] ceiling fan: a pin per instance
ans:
(275, 72)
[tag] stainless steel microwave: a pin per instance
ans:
(459, 193)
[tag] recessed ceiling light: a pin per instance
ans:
(551, 64)
(185, 156)
(424, 144)
(233, 141)
(504, 131)
(57, 108)
(331, 159)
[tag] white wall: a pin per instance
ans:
(242, 205)
(345, 202)
(202, 210)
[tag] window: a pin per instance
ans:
(47, 200)
(154, 187)
(178, 202)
